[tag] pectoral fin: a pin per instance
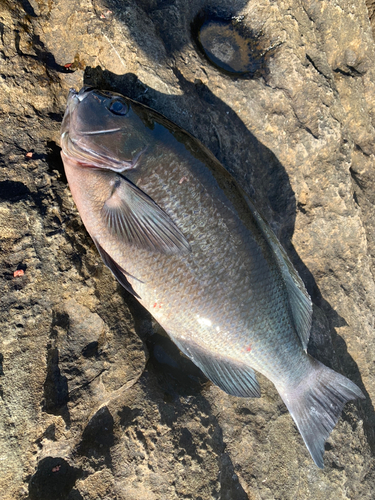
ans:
(134, 217)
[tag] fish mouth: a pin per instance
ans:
(71, 103)
(74, 148)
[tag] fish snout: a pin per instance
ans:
(85, 90)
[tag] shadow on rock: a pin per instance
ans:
(56, 391)
(97, 439)
(190, 446)
(160, 16)
(54, 479)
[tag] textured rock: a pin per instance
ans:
(82, 416)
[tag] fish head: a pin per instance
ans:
(100, 129)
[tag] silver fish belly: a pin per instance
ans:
(181, 236)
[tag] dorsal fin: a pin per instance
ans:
(299, 299)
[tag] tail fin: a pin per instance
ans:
(316, 405)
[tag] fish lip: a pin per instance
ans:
(72, 92)
(98, 132)
(74, 98)
(84, 91)
(72, 101)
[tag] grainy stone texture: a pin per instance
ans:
(95, 401)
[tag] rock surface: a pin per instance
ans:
(95, 401)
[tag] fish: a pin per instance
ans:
(181, 236)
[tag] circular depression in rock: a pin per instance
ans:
(228, 44)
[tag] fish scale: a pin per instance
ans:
(201, 266)
(254, 316)
(177, 232)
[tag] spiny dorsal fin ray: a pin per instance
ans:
(132, 216)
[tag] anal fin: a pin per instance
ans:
(232, 377)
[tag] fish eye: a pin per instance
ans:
(118, 107)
